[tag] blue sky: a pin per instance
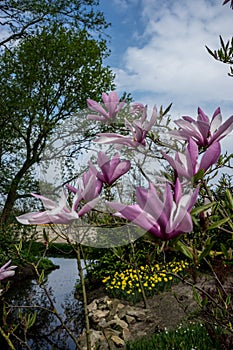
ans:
(159, 56)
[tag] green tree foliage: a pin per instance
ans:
(20, 18)
(44, 80)
(224, 53)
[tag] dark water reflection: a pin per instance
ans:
(47, 332)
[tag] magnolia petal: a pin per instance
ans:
(223, 130)
(99, 118)
(216, 121)
(111, 101)
(188, 130)
(153, 119)
(6, 274)
(193, 155)
(188, 119)
(204, 129)
(202, 116)
(210, 156)
(149, 201)
(136, 215)
(184, 165)
(34, 218)
(95, 106)
(186, 224)
(193, 198)
(120, 170)
(177, 191)
(176, 165)
(48, 203)
(102, 159)
(168, 200)
(88, 206)
(71, 188)
(107, 138)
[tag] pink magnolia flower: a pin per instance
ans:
(226, 1)
(89, 187)
(203, 131)
(186, 164)
(57, 213)
(7, 271)
(112, 107)
(138, 128)
(136, 108)
(165, 215)
(112, 169)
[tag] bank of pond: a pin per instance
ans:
(27, 297)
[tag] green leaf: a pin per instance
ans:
(228, 299)
(31, 320)
(19, 246)
(167, 109)
(45, 236)
(41, 278)
(197, 297)
(222, 42)
(202, 208)
(213, 54)
(184, 249)
(199, 175)
(218, 224)
(224, 250)
(229, 198)
(206, 251)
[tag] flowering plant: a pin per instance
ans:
(164, 204)
(164, 212)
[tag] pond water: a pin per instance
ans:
(47, 332)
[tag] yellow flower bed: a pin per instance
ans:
(129, 283)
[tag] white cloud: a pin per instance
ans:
(173, 62)
(123, 5)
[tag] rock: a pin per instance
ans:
(130, 319)
(137, 313)
(116, 323)
(93, 306)
(123, 311)
(97, 339)
(126, 334)
(97, 315)
(117, 340)
(110, 319)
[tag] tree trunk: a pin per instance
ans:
(12, 194)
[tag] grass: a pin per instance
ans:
(193, 337)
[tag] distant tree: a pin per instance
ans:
(20, 18)
(44, 80)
